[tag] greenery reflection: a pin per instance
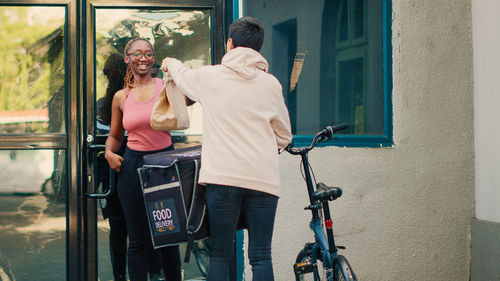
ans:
(183, 34)
(32, 69)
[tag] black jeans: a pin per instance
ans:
(224, 204)
(118, 247)
(134, 209)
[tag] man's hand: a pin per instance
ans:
(164, 67)
(164, 64)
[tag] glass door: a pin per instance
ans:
(188, 30)
(39, 150)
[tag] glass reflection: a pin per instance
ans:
(32, 215)
(32, 70)
(184, 34)
(332, 75)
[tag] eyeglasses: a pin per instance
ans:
(139, 54)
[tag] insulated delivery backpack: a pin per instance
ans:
(175, 202)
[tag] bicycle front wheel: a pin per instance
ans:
(201, 251)
(343, 270)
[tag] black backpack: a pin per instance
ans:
(175, 202)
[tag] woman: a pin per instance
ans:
(131, 111)
(115, 69)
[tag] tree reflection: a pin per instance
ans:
(183, 34)
(31, 69)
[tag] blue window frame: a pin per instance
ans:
(334, 61)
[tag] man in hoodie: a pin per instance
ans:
(245, 122)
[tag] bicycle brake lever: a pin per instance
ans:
(323, 138)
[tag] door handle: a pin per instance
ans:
(111, 189)
(96, 147)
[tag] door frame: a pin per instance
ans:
(81, 254)
(87, 14)
(69, 140)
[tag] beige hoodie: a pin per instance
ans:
(245, 119)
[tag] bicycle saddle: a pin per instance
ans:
(324, 192)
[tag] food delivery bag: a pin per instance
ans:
(175, 202)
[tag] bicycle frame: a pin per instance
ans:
(328, 250)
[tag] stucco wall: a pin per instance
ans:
(485, 24)
(406, 210)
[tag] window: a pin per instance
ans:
(333, 59)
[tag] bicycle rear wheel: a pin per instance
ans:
(343, 270)
(309, 268)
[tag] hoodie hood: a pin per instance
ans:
(245, 61)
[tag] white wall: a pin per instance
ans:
(485, 24)
(406, 210)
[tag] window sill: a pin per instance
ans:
(347, 141)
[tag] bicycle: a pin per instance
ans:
(201, 251)
(323, 250)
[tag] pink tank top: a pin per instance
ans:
(136, 115)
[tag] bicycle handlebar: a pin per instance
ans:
(324, 135)
(330, 130)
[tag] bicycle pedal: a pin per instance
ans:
(317, 206)
(341, 247)
(303, 267)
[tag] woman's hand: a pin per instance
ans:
(114, 160)
(115, 137)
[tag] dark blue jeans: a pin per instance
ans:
(224, 204)
(134, 210)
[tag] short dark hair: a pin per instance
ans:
(247, 32)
